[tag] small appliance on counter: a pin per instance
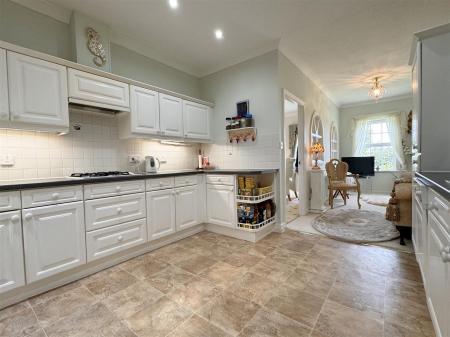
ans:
(152, 164)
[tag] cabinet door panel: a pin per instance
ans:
(4, 102)
(187, 207)
(54, 238)
(437, 279)
(31, 101)
(220, 205)
(171, 115)
(196, 120)
(160, 213)
(144, 111)
(11, 251)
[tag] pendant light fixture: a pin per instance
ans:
(377, 90)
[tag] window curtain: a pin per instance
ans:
(394, 129)
(361, 128)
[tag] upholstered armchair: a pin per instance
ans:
(399, 210)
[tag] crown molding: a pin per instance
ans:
(47, 8)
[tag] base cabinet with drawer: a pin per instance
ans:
(11, 251)
(54, 239)
(161, 213)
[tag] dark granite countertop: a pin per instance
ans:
(8, 185)
(440, 181)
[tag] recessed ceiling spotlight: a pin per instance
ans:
(173, 4)
(219, 34)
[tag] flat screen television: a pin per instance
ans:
(364, 166)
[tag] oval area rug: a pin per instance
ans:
(353, 225)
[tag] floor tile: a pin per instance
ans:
(144, 266)
(198, 327)
(158, 319)
(255, 288)
(42, 298)
(316, 284)
(336, 320)
(242, 259)
(395, 330)
(273, 324)
(62, 304)
(222, 274)
(229, 312)
(20, 324)
(132, 299)
(299, 246)
(272, 269)
(108, 282)
(89, 322)
(14, 309)
(194, 293)
(295, 304)
(168, 278)
(195, 263)
(286, 256)
(409, 290)
(169, 254)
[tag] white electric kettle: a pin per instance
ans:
(152, 164)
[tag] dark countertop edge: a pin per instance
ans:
(98, 180)
(423, 176)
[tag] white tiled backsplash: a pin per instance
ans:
(264, 152)
(96, 147)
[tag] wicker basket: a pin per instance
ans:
(263, 190)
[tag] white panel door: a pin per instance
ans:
(11, 251)
(187, 207)
(160, 213)
(4, 102)
(54, 238)
(171, 115)
(37, 91)
(196, 120)
(144, 111)
(100, 91)
(220, 205)
(438, 275)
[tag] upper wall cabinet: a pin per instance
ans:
(196, 120)
(98, 91)
(144, 111)
(171, 115)
(4, 104)
(37, 93)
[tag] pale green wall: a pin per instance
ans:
(128, 63)
(27, 28)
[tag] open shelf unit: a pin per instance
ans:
(254, 199)
(255, 227)
(242, 134)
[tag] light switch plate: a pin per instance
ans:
(7, 160)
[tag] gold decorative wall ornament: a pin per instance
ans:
(96, 47)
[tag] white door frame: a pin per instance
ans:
(302, 189)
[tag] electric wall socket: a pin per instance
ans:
(134, 159)
(7, 160)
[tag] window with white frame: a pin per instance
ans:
(334, 152)
(379, 136)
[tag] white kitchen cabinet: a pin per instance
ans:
(160, 213)
(220, 203)
(98, 91)
(54, 239)
(438, 278)
(106, 212)
(187, 207)
(196, 120)
(419, 224)
(114, 239)
(4, 102)
(144, 115)
(9, 201)
(50, 196)
(37, 92)
(103, 190)
(171, 115)
(11, 251)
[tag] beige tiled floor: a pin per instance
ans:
(286, 285)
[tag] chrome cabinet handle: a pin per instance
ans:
(15, 218)
(28, 216)
(55, 195)
(445, 254)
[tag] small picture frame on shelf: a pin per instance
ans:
(243, 108)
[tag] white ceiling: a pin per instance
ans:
(339, 44)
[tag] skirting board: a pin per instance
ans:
(240, 234)
(22, 293)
